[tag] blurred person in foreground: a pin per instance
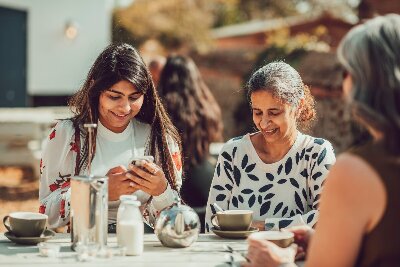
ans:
(120, 97)
(277, 171)
(197, 116)
(360, 205)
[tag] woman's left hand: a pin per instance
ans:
(265, 253)
(149, 178)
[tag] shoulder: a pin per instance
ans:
(62, 128)
(351, 175)
(315, 147)
(351, 168)
(238, 141)
(235, 147)
(315, 143)
(354, 180)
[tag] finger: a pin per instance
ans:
(139, 172)
(300, 229)
(118, 169)
(151, 167)
(120, 177)
(139, 183)
(138, 180)
(259, 242)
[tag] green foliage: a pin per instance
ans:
(228, 12)
(174, 22)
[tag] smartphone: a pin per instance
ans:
(138, 161)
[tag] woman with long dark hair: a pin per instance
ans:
(197, 116)
(120, 97)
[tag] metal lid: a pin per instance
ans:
(127, 197)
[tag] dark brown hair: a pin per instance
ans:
(192, 107)
(116, 63)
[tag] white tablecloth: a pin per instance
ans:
(207, 251)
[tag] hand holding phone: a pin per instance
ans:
(147, 176)
(139, 161)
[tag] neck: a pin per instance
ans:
(281, 147)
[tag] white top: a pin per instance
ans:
(283, 194)
(112, 149)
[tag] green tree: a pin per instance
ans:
(174, 22)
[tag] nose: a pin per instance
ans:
(265, 121)
(125, 106)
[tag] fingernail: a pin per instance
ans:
(129, 175)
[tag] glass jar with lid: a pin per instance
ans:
(130, 225)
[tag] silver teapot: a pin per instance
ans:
(177, 226)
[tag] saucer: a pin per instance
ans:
(47, 234)
(234, 234)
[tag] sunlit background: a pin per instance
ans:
(47, 47)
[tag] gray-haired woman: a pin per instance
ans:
(360, 206)
(277, 171)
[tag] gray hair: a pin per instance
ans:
(281, 79)
(370, 52)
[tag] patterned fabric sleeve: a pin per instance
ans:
(56, 168)
(320, 157)
(223, 175)
(167, 198)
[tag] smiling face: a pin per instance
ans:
(275, 120)
(118, 105)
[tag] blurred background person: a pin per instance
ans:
(360, 206)
(156, 65)
(197, 116)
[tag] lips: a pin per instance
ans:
(120, 116)
(271, 131)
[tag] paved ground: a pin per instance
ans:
(18, 191)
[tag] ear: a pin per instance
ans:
(299, 108)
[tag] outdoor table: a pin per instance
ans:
(208, 250)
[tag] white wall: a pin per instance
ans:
(56, 64)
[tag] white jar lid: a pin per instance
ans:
(127, 197)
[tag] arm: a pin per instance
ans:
(352, 203)
(320, 162)
(168, 197)
(221, 185)
(56, 168)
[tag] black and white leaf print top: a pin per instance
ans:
(285, 193)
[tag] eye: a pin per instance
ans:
(134, 98)
(113, 97)
(274, 113)
(257, 113)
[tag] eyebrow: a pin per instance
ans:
(278, 109)
(117, 92)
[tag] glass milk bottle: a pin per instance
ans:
(130, 226)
